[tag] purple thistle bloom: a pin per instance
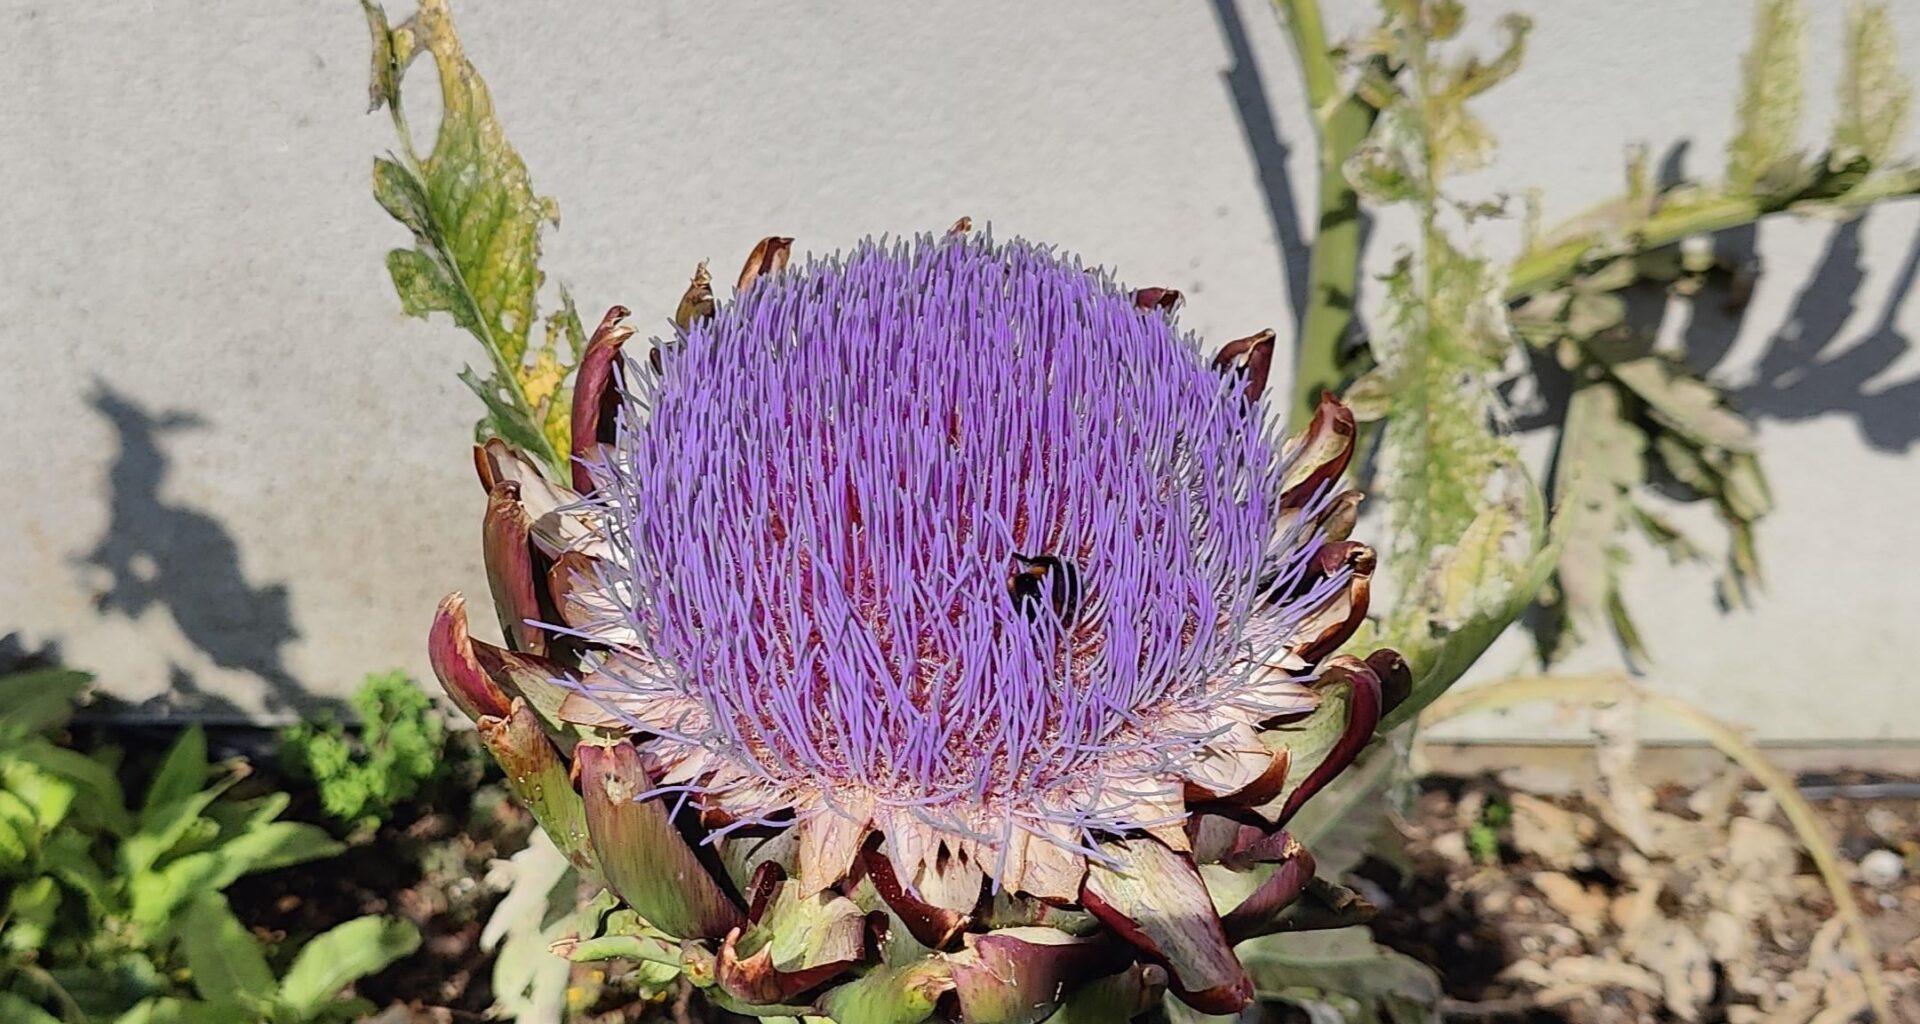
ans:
(954, 539)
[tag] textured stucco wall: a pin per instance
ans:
(235, 476)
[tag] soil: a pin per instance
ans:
(1489, 909)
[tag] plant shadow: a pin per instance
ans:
(160, 552)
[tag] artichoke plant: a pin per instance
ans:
(924, 634)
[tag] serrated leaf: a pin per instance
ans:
(1441, 452)
(476, 221)
(161, 830)
(19, 836)
(422, 285)
(30, 912)
(1771, 96)
(1439, 656)
(529, 981)
(1875, 97)
(227, 963)
(341, 956)
(504, 420)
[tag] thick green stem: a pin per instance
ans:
(1548, 268)
(1341, 123)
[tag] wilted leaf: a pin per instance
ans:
(1457, 139)
(1390, 165)
(1683, 403)
(1601, 460)
(1593, 311)
(1439, 344)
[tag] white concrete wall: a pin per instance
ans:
(234, 475)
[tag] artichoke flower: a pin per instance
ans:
(923, 635)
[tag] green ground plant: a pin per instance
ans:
(399, 749)
(115, 913)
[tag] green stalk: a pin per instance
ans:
(1341, 123)
(1551, 267)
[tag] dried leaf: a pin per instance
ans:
(1601, 459)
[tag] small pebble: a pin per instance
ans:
(1882, 869)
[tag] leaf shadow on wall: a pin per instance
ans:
(158, 552)
(1805, 374)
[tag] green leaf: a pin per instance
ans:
(99, 803)
(155, 895)
(162, 828)
(36, 700)
(16, 1010)
(503, 418)
(422, 284)
(167, 1010)
(890, 995)
(1771, 96)
(337, 958)
(1345, 971)
(1875, 97)
(227, 963)
(48, 797)
(180, 775)
(30, 914)
(19, 835)
(69, 858)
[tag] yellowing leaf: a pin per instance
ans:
(475, 220)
